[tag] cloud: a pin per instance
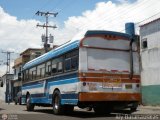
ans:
(17, 35)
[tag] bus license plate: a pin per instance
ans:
(129, 86)
(111, 85)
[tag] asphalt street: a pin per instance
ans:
(18, 112)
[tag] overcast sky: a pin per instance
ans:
(18, 23)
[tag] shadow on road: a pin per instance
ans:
(84, 114)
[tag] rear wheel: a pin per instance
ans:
(134, 107)
(29, 105)
(57, 107)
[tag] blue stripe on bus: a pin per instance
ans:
(69, 101)
(32, 86)
(67, 96)
(66, 81)
(33, 83)
(47, 101)
(63, 77)
(59, 82)
(40, 100)
(38, 95)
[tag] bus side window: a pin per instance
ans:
(74, 63)
(60, 67)
(27, 75)
(30, 75)
(54, 68)
(48, 68)
(34, 75)
(67, 64)
(23, 78)
(40, 71)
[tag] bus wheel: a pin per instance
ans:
(57, 107)
(29, 105)
(102, 110)
(134, 107)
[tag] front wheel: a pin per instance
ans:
(29, 105)
(57, 107)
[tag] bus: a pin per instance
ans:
(99, 71)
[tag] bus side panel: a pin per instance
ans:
(68, 87)
(36, 91)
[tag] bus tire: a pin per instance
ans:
(134, 107)
(57, 107)
(29, 105)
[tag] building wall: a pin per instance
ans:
(3, 89)
(150, 58)
(7, 87)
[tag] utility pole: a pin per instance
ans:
(8, 53)
(45, 38)
(8, 80)
(1, 61)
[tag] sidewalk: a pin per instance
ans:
(3, 102)
(150, 107)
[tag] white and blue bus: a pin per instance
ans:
(100, 71)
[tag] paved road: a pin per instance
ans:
(18, 112)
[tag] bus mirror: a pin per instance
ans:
(19, 76)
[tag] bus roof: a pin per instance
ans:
(53, 53)
(103, 32)
(67, 47)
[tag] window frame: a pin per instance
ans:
(69, 56)
(144, 43)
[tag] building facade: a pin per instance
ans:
(150, 58)
(6, 88)
(24, 57)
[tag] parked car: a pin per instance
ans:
(18, 97)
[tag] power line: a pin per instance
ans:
(143, 20)
(116, 14)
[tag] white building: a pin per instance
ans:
(150, 57)
(6, 87)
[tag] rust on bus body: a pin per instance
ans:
(107, 77)
(103, 96)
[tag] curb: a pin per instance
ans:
(150, 107)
